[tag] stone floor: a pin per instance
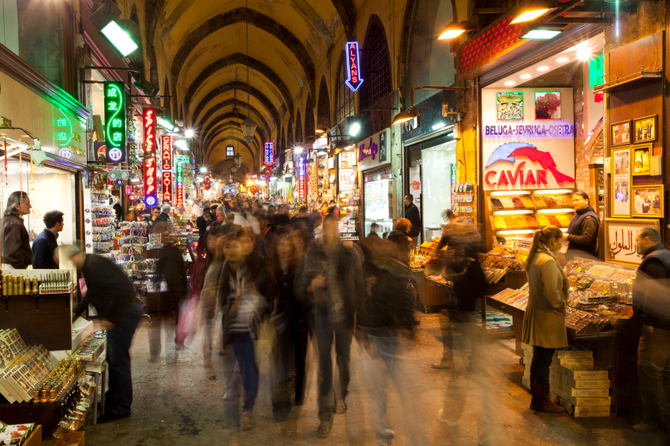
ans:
(181, 404)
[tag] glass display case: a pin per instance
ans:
(378, 201)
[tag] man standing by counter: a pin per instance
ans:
(583, 231)
(650, 298)
(45, 245)
(412, 214)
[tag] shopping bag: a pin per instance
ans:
(188, 317)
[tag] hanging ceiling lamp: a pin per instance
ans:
(237, 158)
(248, 126)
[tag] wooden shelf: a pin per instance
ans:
(628, 81)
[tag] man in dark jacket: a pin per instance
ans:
(15, 239)
(412, 214)
(400, 236)
(112, 294)
(650, 298)
(203, 221)
(583, 229)
(165, 213)
(332, 282)
(170, 279)
(46, 244)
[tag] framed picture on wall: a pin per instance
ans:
(648, 201)
(645, 129)
(621, 182)
(509, 105)
(641, 158)
(547, 105)
(621, 239)
(620, 134)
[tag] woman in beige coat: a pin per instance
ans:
(544, 322)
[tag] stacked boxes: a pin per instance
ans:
(495, 322)
(578, 385)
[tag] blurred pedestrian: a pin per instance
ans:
(220, 215)
(246, 292)
(45, 245)
(165, 213)
(210, 288)
(544, 321)
(400, 236)
(412, 214)
(650, 298)
(112, 294)
(332, 281)
(16, 250)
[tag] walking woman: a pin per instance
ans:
(544, 322)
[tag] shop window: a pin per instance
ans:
(230, 152)
(376, 70)
(33, 30)
(345, 97)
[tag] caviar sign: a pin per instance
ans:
(115, 122)
(166, 160)
(354, 80)
(149, 120)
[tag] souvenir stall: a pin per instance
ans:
(349, 197)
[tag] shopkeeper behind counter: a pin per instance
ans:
(583, 231)
(15, 239)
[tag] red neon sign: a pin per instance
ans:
(167, 186)
(149, 119)
(166, 160)
(167, 153)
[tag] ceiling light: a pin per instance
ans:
(510, 83)
(584, 54)
(562, 59)
(542, 68)
(439, 125)
(531, 11)
(354, 129)
(406, 115)
(541, 34)
(166, 124)
(203, 169)
(189, 133)
(297, 150)
(119, 38)
(525, 76)
(452, 30)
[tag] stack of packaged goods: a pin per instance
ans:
(515, 298)
(495, 322)
(102, 222)
(579, 386)
(16, 434)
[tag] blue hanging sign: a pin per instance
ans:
(354, 80)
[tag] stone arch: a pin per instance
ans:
(299, 137)
(377, 64)
(241, 86)
(310, 128)
(323, 119)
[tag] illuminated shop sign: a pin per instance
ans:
(115, 122)
(269, 153)
(149, 120)
(534, 130)
(354, 80)
(166, 166)
(367, 151)
(301, 177)
(179, 163)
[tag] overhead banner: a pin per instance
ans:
(115, 122)
(528, 138)
(149, 120)
(166, 166)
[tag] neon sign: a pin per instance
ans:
(150, 190)
(354, 80)
(166, 160)
(364, 152)
(64, 130)
(179, 162)
(269, 153)
(537, 130)
(115, 121)
(301, 177)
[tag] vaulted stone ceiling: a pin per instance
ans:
(202, 47)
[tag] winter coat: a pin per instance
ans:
(544, 321)
(44, 250)
(16, 243)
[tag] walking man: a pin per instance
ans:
(412, 214)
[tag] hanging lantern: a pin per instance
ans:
(249, 129)
(233, 170)
(238, 160)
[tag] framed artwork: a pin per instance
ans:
(621, 182)
(641, 158)
(620, 133)
(621, 239)
(648, 201)
(509, 105)
(645, 129)
(547, 105)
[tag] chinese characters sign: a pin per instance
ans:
(166, 166)
(269, 153)
(149, 120)
(302, 181)
(115, 122)
(354, 80)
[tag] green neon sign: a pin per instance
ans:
(115, 122)
(596, 71)
(63, 130)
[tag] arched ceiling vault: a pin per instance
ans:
(254, 107)
(242, 143)
(240, 87)
(236, 131)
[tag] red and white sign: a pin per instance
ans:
(528, 153)
(149, 120)
(166, 166)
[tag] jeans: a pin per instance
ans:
(119, 397)
(539, 366)
(653, 369)
(325, 334)
(240, 365)
(292, 344)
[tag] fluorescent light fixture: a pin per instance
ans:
(554, 192)
(439, 125)
(189, 133)
(512, 212)
(542, 68)
(321, 153)
(541, 34)
(180, 143)
(451, 31)
(562, 59)
(525, 76)
(555, 211)
(203, 169)
(515, 231)
(532, 10)
(515, 193)
(584, 54)
(354, 129)
(167, 125)
(510, 83)
(119, 38)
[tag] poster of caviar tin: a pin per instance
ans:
(509, 105)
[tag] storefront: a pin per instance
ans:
(375, 170)
(349, 194)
